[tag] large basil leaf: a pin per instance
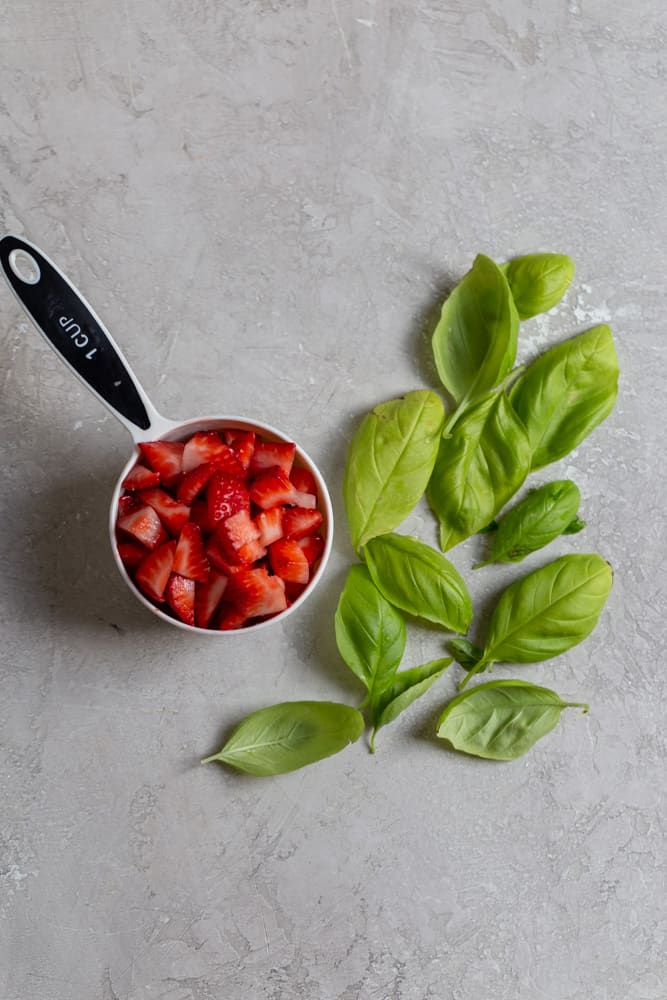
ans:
(501, 720)
(388, 701)
(290, 735)
(370, 632)
(478, 469)
(474, 344)
(540, 517)
(389, 462)
(419, 580)
(538, 281)
(566, 392)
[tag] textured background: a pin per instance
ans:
(265, 200)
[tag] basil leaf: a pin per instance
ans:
(501, 720)
(403, 689)
(389, 462)
(540, 517)
(466, 654)
(575, 526)
(290, 735)
(478, 469)
(538, 281)
(566, 392)
(474, 343)
(419, 580)
(370, 632)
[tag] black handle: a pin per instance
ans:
(73, 330)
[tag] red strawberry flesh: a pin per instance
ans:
(153, 573)
(190, 559)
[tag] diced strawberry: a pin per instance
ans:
(306, 500)
(270, 525)
(131, 553)
(226, 495)
(190, 559)
(140, 478)
(206, 446)
(220, 559)
(153, 573)
(127, 503)
(164, 457)
(288, 561)
(269, 454)
(181, 597)
(293, 591)
(172, 513)
(271, 489)
(238, 536)
(303, 480)
(208, 596)
(312, 547)
(231, 618)
(199, 516)
(194, 482)
(144, 525)
(243, 446)
(255, 593)
(299, 522)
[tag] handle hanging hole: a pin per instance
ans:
(25, 267)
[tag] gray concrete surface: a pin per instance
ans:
(265, 200)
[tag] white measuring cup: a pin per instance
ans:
(70, 326)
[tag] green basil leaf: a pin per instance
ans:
(538, 281)
(419, 580)
(403, 689)
(466, 654)
(389, 463)
(541, 516)
(501, 720)
(370, 632)
(290, 735)
(566, 392)
(479, 467)
(575, 526)
(474, 344)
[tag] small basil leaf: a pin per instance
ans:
(466, 654)
(501, 720)
(575, 526)
(479, 467)
(541, 516)
(474, 344)
(538, 281)
(419, 580)
(370, 632)
(290, 735)
(389, 462)
(403, 689)
(566, 392)
(491, 526)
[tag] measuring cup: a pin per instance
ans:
(77, 335)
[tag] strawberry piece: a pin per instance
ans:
(312, 547)
(270, 525)
(164, 457)
(254, 593)
(199, 516)
(231, 618)
(206, 446)
(269, 454)
(218, 558)
(242, 444)
(226, 495)
(127, 503)
(144, 525)
(303, 480)
(190, 559)
(131, 554)
(293, 591)
(288, 561)
(207, 598)
(181, 598)
(172, 513)
(154, 572)
(299, 522)
(306, 500)
(238, 537)
(139, 478)
(271, 489)
(194, 482)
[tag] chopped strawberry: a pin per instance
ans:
(153, 573)
(312, 547)
(194, 482)
(299, 522)
(293, 591)
(270, 525)
(303, 480)
(144, 525)
(306, 500)
(127, 503)
(288, 561)
(208, 596)
(271, 489)
(172, 513)
(140, 478)
(190, 559)
(243, 446)
(206, 446)
(255, 593)
(226, 495)
(218, 558)
(268, 454)
(238, 536)
(199, 516)
(231, 618)
(181, 597)
(164, 457)
(131, 554)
